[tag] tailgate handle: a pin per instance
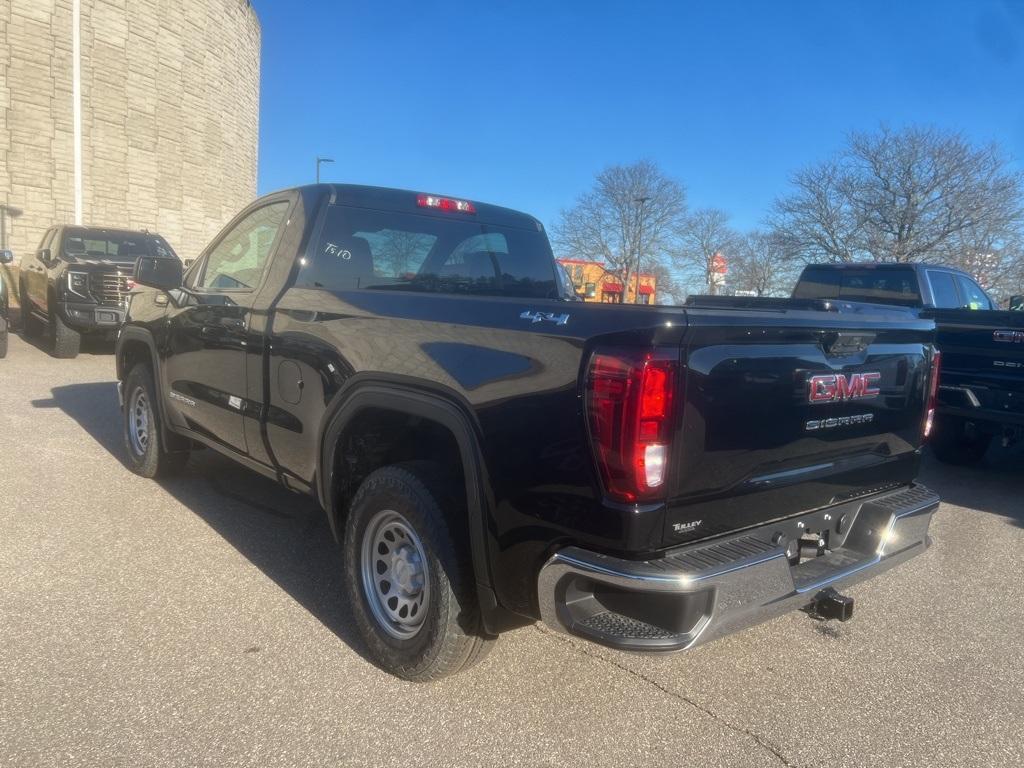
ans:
(838, 344)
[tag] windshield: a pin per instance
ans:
(114, 246)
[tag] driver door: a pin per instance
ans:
(207, 337)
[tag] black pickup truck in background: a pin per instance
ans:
(981, 391)
(77, 281)
(491, 452)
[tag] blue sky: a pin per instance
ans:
(522, 103)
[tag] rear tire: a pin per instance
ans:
(409, 575)
(143, 430)
(66, 340)
(954, 444)
(3, 337)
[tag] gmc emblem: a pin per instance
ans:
(839, 388)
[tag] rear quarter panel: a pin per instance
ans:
(517, 381)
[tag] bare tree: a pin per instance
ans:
(911, 195)
(701, 236)
(626, 219)
(761, 264)
(816, 223)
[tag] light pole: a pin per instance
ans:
(6, 211)
(639, 245)
(319, 161)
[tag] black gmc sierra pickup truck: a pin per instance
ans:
(981, 393)
(491, 452)
(77, 281)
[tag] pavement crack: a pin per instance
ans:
(758, 739)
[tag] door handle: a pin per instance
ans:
(225, 327)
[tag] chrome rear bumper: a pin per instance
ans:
(697, 593)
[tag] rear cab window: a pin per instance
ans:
(366, 249)
(817, 283)
(872, 285)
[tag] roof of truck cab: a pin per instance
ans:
(404, 200)
(885, 266)
(107, 230)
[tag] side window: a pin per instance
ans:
(237, 261)
(943, 289)
(971, 295)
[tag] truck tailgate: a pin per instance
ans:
(982, 363)
(790, 411)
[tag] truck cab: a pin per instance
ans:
(923, 286)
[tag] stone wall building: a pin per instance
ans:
(155, 127)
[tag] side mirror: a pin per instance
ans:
(6, 257)
(1017, 303)
(44, 255)
(159, 272)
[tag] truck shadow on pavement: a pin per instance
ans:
(91, 345)
(996, 485)
(284, 534)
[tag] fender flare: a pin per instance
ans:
(441, 407)
(131, 334)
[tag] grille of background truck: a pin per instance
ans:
(109, 288)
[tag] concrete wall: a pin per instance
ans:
(170, 115)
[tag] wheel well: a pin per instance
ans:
(133, 353)
(379, 437)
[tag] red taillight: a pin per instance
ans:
(933, 393)
(445, 204)
(630, 398)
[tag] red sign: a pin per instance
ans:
(718, 265)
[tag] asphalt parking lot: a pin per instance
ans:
(199, 622)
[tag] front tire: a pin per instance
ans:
(66, 340)
(3, 337)
(954, 443)
(143, 430)
(409, 575)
